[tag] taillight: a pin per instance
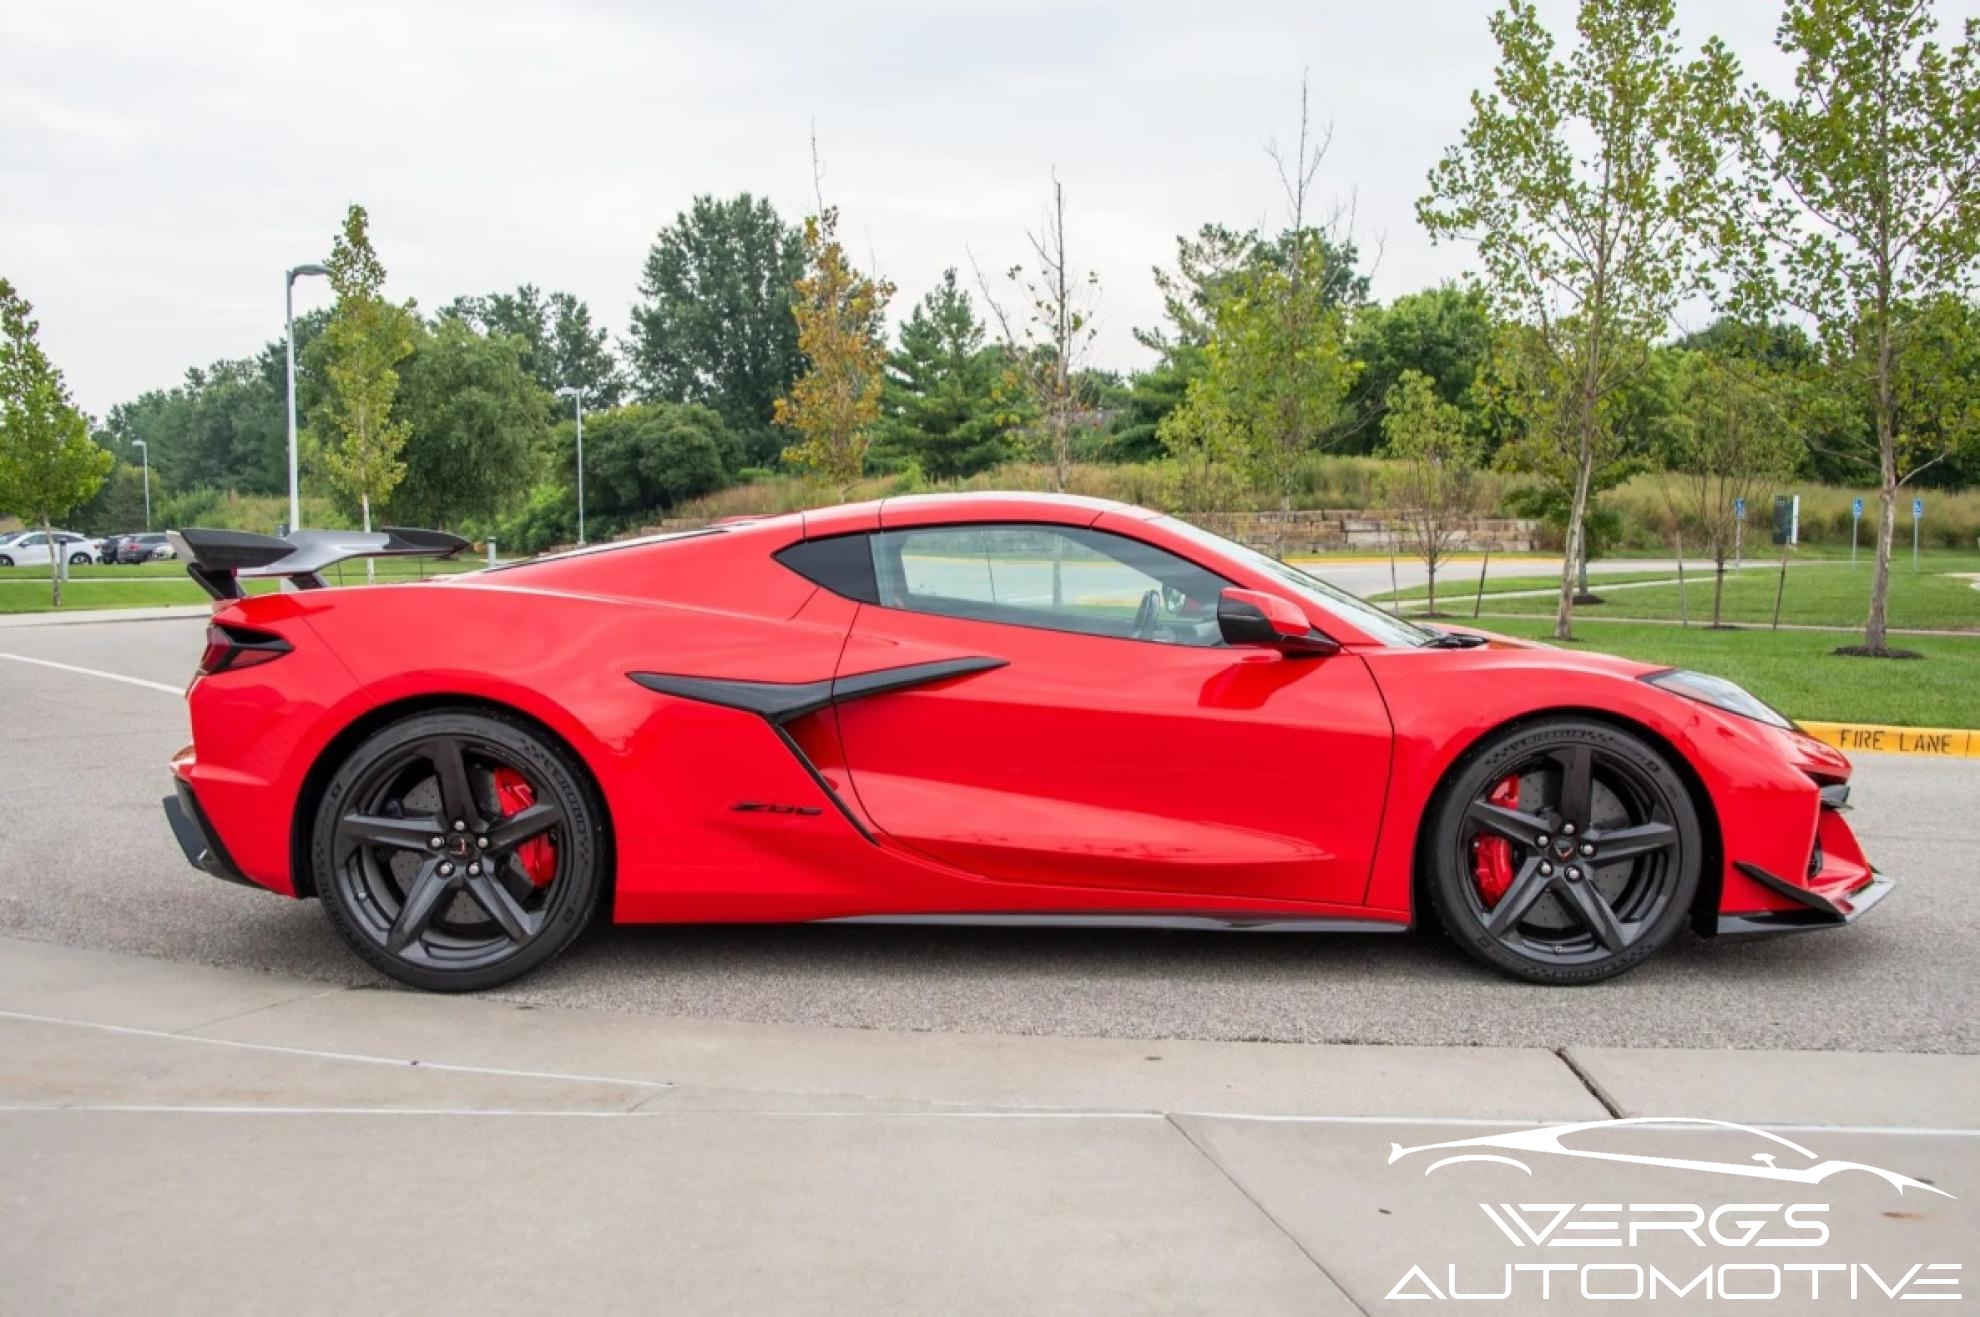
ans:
(230, 647)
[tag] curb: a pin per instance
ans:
(1874, 738)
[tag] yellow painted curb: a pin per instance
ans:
(1858, 738)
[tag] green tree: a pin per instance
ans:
(558, 344)
(478, 426)
(1582, 181)
(1443, 333)
(714, 325)
(1207, 267)
(1139, 408)
(1865, 212)
(1276, 366)
(640, 460)
(1277, 372)
(1210, 266)
(223, 427)
(359, 442)
(48, 462)
(118, 504)
(1728, 438)
(840, 313)
(943, 407)
(1527, 397)
(1937, 386)
(1434, 484)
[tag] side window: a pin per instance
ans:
(1061, 578)
(34, 541)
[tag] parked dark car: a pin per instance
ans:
(107, 548)
(139, 548)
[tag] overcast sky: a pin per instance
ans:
(161, 163)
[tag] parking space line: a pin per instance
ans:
(983, 1114)
(95, 672)
(317, 1054)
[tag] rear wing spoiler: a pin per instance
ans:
(220, 559)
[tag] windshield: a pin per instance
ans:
(1386, 627)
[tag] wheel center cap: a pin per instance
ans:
(457, 847)
(1564, 848)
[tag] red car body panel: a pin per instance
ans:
(1084, 774)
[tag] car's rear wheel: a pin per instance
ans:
(458, 850)
(1566, 851)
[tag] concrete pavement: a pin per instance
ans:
(184, 1139)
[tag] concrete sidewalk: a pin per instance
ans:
(188, 1139)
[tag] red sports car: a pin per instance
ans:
(983, 709)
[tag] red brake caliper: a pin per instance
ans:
(538, 855)
(1491, 857)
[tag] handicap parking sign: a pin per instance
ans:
(1739, 509)
(1856, 508)
(1918, 509)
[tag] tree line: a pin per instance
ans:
(1608, 178)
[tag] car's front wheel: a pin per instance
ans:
(1565, 851)
(457, 850)
(79, 560)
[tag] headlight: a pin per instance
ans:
(1720, 694)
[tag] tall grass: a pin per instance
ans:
(218, 509)
(1952, 520)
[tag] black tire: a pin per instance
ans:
(6, 561)
(1565, 915)
(435, 916)
(78, 560)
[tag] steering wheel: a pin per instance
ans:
(1144, 616)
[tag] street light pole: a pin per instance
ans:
(145, 453)
(576, 395)
(289, 323)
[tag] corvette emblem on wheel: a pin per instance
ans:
(983, 708)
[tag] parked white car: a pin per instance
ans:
(30, 549)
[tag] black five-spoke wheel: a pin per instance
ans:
(1565, 852)
(457, 850)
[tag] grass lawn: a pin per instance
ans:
(1823, 594)
(1795, 672)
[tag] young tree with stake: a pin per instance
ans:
(1583, 182)
(1728, 440)
(1046, 348)
(840, 313)
(364, 343)
(48, 462)
(1435, 485)
(1863, 214)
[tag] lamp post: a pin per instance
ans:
(144, 451)
(576, 395)
(289, 321)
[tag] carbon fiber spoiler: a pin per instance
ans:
(219, 559)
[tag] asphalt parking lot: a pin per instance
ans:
(89, 863)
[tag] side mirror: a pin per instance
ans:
(1252, 617)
